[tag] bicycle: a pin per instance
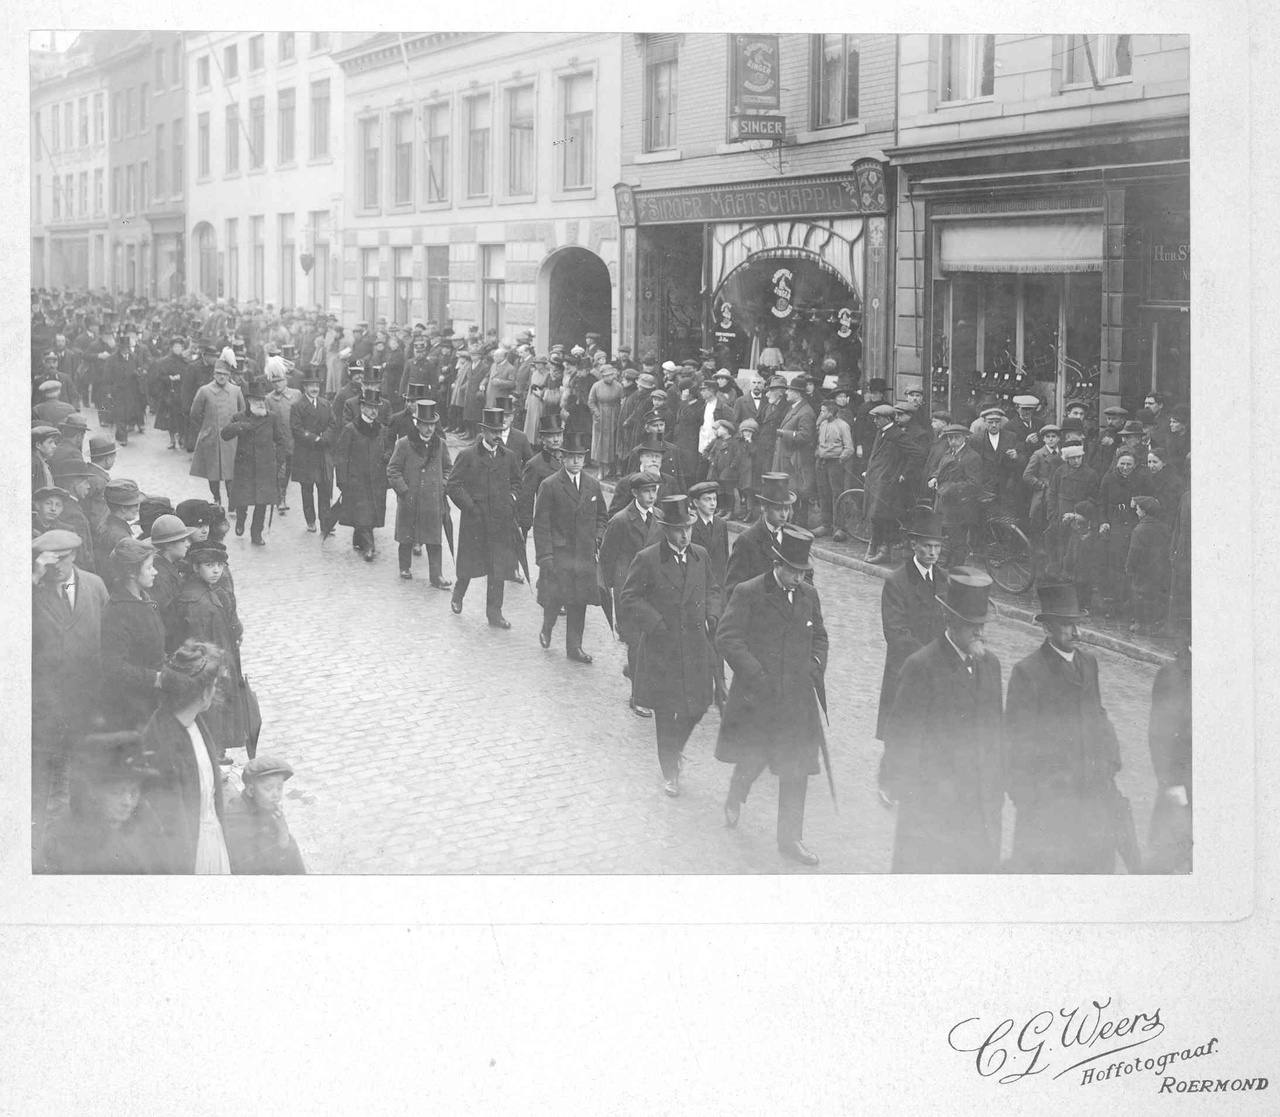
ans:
(1002, 546)
(848, 515)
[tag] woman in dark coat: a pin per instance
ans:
(419, 465)
(1167, 485)
(1116, 521)
(362, 475)
(168, 375)
(261, 447)
(132, 638)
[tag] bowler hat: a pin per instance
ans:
(1059, 602)
(643, 479)
(123, 492)
(794, 549)
(169, 529)
(575, 442)
(425, 411)
(877, 384)
(71, 467)
(59, 539)
(101, 446)
(967, 592)
(415, 392)
(775, 488)
(674, 511)
(491, 418)
(550, 424)
(262, 766)
(923, 523)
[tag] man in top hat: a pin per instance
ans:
(123, 499)
(214, 406)
(360, 466)
(884, 499)
(351, 391)
(630, 531)
(671, 605)
(569, 519)
(909, 611)
(752, 553)
(1062, 750)
(943, 760)
(67, 603)
(999, 453)
(512, 437)
(794, 449)
(310, 419)
(485, 485)
(261, 449)
(539, 467)
(773, 637)
(417, 470)
(123, 376)
(44, 444)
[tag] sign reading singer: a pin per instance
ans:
(761, 127)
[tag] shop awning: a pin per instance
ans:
(1050, 245)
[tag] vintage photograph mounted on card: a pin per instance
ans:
(815, 410)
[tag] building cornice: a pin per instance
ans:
(379, 53)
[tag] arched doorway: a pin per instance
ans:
(206, 242)
(575, 287)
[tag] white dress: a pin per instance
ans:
(211, 846)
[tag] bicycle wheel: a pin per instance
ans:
(1009, 558)
(848, 515)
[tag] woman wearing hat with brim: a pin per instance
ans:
(123, 498)
(261, 449)
(171, 539)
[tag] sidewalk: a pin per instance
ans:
(1099, 631)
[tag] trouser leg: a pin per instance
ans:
(324, 489)
(308, 501)
(405, 554)
(575, 622)
(494, 594)
(745, 773)
(215, 487)
(549, 615)
(460, 588)
(791, 796)
(673, 731)
(259, 521)
(435, 564)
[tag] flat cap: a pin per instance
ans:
(882, 409)
(261, 766)
(123, 491)
(41, 431)
(59, 539)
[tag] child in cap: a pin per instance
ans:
(725, 456)
(46, 510)
(748, 430)
(258, 838)
(1148, 566)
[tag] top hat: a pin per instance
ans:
(575, 442)
(491, 418)
(371, 396)
(775, 488)
(425, 411)
(674, 511)
(967, 594)
(794, 548)
(506, 403)
(652, 444)
(1059, 602)
(310, 378)
(257, 388)
(415, 392)
(923, 523)
(550, 424)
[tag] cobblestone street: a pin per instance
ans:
(429, 743)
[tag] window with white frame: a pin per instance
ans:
(98, 181)
(257, 132)
(967, 67)
(233, 258)
(84, 121)
(83, 182)
(99, 113)
(578, 97)
(288, 261)
(521, 160)
(661, 70)
(435, 169)
(479, 111)
(370, 157)
(160, 160)
(130, 111)
(257, 233)
(55, 128)
(402, 158)
(402, 292)
(144, 185)
(178, 65)
(233, 139)
(160, 57)
(230, 62)
(286, 125)
(285, 47)
(319, 221)
(39, 201)
(493, 308)
(369, 284)
(144, 107)
(320, 119)
(116, 177)
(130, 190)
(202, 72)
(1086, 58)
(437, 284)
(57, 199)
(179, 167)
(835, 80)
(257, 53)
(69, 129)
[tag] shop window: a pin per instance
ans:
(521, 163)
(578, 100)
(478, 120)
(661, 70)
(1090, 58)
(835, 80)
(437, 292)
(369, 284)
(402, 281)
(402, 158)
(493, 310)
(436, 153)
(370, 155)
(968, 67)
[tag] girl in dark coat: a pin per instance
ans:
(132, 638)
(361, 472)
(1116, 521)
(261, 447)
(1167, 485)
(417, 471)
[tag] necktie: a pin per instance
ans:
(66, 595)
(791, 597)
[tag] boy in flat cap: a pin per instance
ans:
(258, 838)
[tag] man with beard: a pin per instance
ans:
(485, 485)
(655, 427)
(419, 465)
(261, 449)
(1062, 750)
(943, 760)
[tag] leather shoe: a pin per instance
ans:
(499, 621)
(369, 554)
(797, 852)
(456, 606)
(640, 711)
(672, 786)
(407, 575)
(240, 527)
(731, 813)
(578, 655)
(311, 527)
(544, 638)
(441, 583)
(257, 541)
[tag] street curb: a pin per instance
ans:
(1009, 612)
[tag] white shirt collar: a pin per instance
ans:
(926, 573)
(644, 512)
(964, 656)
(1068, 656)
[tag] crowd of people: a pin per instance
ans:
(140, 691)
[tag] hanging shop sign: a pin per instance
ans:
(756, 82)
(759, 127)
(782, 288)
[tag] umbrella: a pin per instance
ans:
(606, 604)
(447, 522)
(820, 688)
(521, 557)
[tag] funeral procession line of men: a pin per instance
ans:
(656, 558)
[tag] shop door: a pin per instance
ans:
(579, 298)
(1166, 351)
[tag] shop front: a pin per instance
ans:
(790, 271)
(168, 255)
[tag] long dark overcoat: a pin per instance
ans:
(361, 473)
(312, 457)
(132, 656)
(1115, 507)
(485, 487)
(1063, 757)
(174, 795)
(568, 524)
(886, 464)
(625, 537)
(202, 613)
(944, 763)
(911, 617)
(714, 539)
(417, 471)
(66, 653)
(536, 470)
(667, 605)
(776, 650)
(213, 408)
(959, 486)
(260, 448)
(167, 377)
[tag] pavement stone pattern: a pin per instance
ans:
(425, 742)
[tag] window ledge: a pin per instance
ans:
(479, 200)
(942, 106)
(671, 155)
(319, 160)
(835, 132)
(1088, 86)
(291, 165)
(517, 199)
(430, 207)
(573, 193)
